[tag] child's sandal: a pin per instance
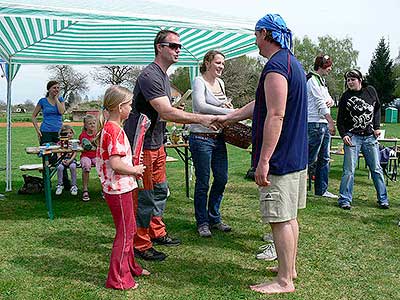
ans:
(85, 196)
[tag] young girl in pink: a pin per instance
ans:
(88, 155)
(118, 179)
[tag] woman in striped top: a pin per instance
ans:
(207, 146)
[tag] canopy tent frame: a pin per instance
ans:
(36, 32)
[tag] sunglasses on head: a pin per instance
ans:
(173, 46)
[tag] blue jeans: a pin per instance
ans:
(370, 149)
(208, 153)
(318, 155)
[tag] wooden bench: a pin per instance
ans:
(31, 167)
(38, 167)
(171, 159)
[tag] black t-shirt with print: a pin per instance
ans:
(359, 112)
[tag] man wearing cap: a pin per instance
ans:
(320, 125)
(358, 123)
(279, 145)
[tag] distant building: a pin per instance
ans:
(19, 109)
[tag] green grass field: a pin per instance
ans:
(342, 254)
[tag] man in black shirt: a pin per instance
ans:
(152, 97)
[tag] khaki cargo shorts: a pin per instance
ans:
(280, 201)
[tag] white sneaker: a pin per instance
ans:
(74, 190)
(268, 252)
(329, 195)
(59, 189)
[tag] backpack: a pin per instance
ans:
(32, 185)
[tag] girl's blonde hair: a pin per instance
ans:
(113, 97)
(88, 118)
(66, 128)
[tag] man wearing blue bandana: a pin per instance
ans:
(279, 145)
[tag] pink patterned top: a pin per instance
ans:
(113, 141)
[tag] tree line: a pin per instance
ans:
(241, 74)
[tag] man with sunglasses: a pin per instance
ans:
(320, 125)
(152, 97)
(358, 123)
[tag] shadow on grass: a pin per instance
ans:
(78, 240)
(62, 267)
(27, 207)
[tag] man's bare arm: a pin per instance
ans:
(275, 87)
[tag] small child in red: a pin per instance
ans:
(88, 155)
(118, 179)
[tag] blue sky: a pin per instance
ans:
(363, 21)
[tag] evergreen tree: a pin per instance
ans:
(380, 72)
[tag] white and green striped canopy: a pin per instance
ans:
(101, 32)
(112, 32)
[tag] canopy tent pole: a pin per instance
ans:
(8, 155)
(10, 71)
(194, 71)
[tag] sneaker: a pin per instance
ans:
(221, 227)
(85, 196)
(74, 190)
(268, 238)
(59, 189)
(150, 254)
(329, 195)
(345, 206)
(384, 205)
(166, 240)
(204, 230)
(268, 252)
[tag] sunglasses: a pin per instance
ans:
(173, 46)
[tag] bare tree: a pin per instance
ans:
(3, 105)
(69, 79)
(119, 75)
(28, 105)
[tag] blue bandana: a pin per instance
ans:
(280, 33)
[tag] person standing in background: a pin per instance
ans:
(358, 123)
(52, 107)
(320, 125)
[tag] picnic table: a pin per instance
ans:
(185, 157)
(49, 168)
